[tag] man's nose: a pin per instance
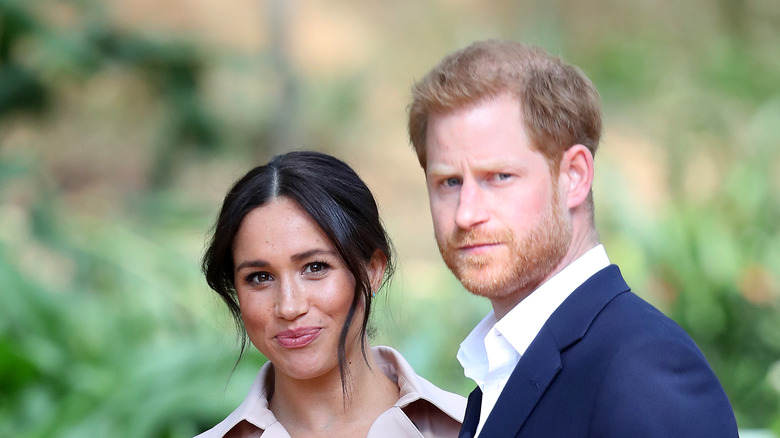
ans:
(472, 209)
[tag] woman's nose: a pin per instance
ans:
(291, 301)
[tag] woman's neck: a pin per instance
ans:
(317, 407)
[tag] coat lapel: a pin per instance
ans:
(531, 377)
(471, 417)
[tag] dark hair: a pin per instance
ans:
(329, 191)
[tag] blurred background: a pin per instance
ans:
(124, 122)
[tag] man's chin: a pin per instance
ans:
(485, 284)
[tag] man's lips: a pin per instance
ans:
(298, 338)
(475, 248)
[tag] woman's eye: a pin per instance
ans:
(258, 278)
(316, 267)
(503, 176)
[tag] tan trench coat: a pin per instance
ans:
(422, 410)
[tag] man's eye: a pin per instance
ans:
(451, 182)
(503, 176)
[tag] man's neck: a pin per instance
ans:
(578, 247)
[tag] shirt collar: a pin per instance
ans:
(413, 387)
(520, 326)
(254, 408)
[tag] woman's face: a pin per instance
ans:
(294, 290)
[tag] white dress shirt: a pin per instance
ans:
(491, 351)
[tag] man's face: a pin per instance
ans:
(497, 215)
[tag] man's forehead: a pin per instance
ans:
(449, 164)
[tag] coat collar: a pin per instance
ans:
(570, 322)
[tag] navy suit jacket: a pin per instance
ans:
(608, 364)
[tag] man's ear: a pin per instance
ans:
(376, 270)
(576, 175)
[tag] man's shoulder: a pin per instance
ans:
(632, 311)
(607, 294)
(616, 311)
(629, 325)
(606, 315)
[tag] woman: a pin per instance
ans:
(298, 254)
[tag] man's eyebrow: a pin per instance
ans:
(487, 165)
(438, 169)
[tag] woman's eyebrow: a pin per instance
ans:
(295, 257)
(252, 264)
(312, 252)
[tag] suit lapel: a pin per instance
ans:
(531, 377)
(471, 417)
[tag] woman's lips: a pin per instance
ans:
(298, 338)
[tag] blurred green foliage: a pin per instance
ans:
(107, 327)
(98, 337)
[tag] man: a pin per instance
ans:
(506, 135)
